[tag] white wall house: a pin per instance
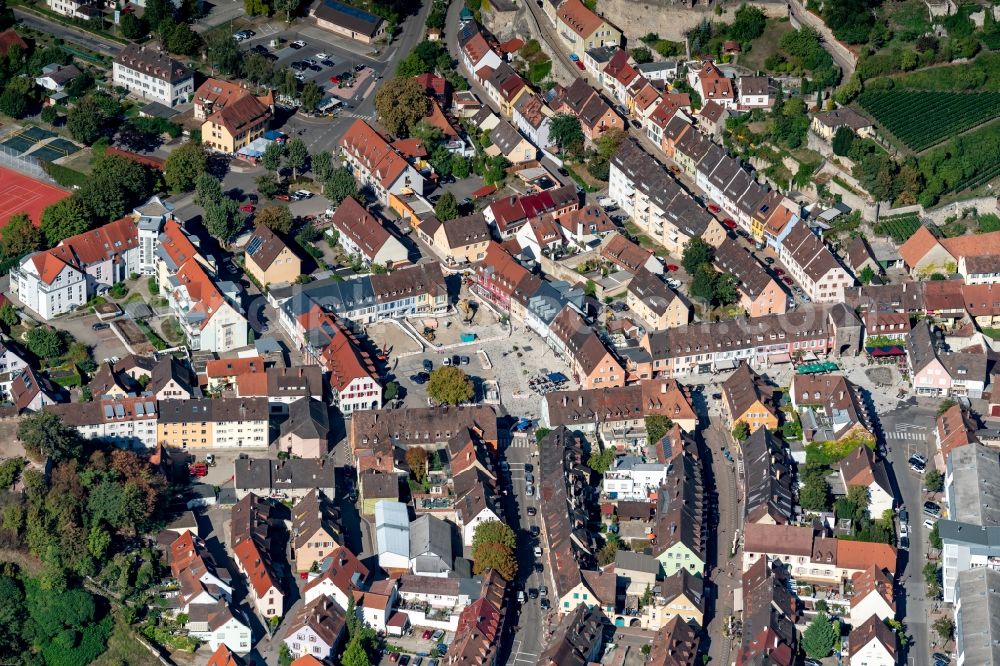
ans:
(127, 422)
(632, 479)
(210, 317)
(150, 74)
(362, 392)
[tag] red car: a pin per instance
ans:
(787, 280)
(427, 635)
(283, 197)
(729, 224)
(247, 208)
(673, 267)
(779, 271)
(712, 207)
(334, 79)
(198, 469)
(394, 657)
(579, 65)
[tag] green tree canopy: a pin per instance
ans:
(842, 141)
(223, 219)
(696, 253)
(19, 236)
(741, 431)
(46, 343)
(657, 427)
(276, 218)
(43, 433)
(296, 156)
(450, 386)
(401, 104)
(223, 52)
(64, 219)
(116, 186)
(565, 130)
(820, 636)
(494, 531)
(446, 207)
(273, 154)
(601, 459)
(748, 24)
(310, 97)
(184, 166)
(341, 185)
(267, 185)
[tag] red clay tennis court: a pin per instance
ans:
(23, 194)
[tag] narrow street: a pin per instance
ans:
(72, 35)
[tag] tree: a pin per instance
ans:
(223, 52)
(416, 459)
(116, 185)
(934, 538)
(256, 8)
(157, 11)
(183, 40)
(866, 275)
(450, 386)
(43, 433)
(725, 289)
(657, 428)
(8, 317)
(64, 219)
(6, 16)
(606, 555)
(400, 104)
(296, 156)
(703, 284)
(565, 130)
(287, 7)
(322, 167)
(340, 185)
(820, 636)
(276, 218)
(207, 190)
(934, 481)
(267, 185)
(446, 207)
(945, 628)
(459, 167)
(271, 159)
(642, 55)
(390, 391)
(601, 460)
(411, 65)
(355, 654)
(17, 97)
(46, 342)
(815, 493)
(256, 67)
(741, 431)
(86, 121)
(748, 24)
(19, 236)
(609, 142)
(842, 141)
(696, 253)
(223, 219)
(184, 166)
(493, 547)
(310, 97)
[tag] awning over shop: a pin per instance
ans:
(779, 358)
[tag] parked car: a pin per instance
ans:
(544, 604)
(532, 593)
(428, 365)
(437, 635)
(713, 208)
(543, 591)
(932, 509)
(456, 360)
(326, 62)
(520, 596)
(198, 469)
(606, 202)
(247, 208)
(393, 657)
(442, 648)
(322, 55)
(465, 360)
(532, 511)
(427, 634)
(100, 326)
(446, 361)
(768, 260)
(929, 524)
(672, 267)
(304, 194)
(538, 553)
(778, 271)
(298, 44)
(404, 659)
(534, 530)
(310, 61)
(787, 280)
(259, 49)
(335, 80)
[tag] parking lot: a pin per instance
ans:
(414, 645)
(338, 60)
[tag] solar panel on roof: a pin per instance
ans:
(108, 412)
(150, 408)
(119, 411)
(255, 244)
(139, 409)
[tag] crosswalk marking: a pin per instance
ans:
(521, 443)
(906, 435)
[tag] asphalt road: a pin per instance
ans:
(841, 55)
(67, 33)
(908, 430)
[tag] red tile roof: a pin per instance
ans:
(364, 230)
(373, 152)
(254, 563)
(108, 242)
(232, 367)
(575, 15)
(176, 243)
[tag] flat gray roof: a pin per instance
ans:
(974, 485)
(977, 620)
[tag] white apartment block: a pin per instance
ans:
(150, 74)
(126, 422)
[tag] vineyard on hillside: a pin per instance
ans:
(900, 228)
(921, 119)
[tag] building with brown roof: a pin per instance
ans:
(872, 593)
(509, 143)
(954, 428)
(480, 625)
(313, 535)
(362, 235)
(596, 116)
(148, 72)
(617, 414)
(377, 164)
(747, 397)
(861, 468)
(316, 629)
(827, 123)
(349, 21)
(628, 256)
(306, 433)
(582, 29)
(760, 294)
(658, 305)
(340, 574)
(463, 240)
(813, 266)
(769, 487)
(252, 540)
(830, 408)
(592, 362)
(676, 644)
(577, 639)
(770, 611)
(713, 85)
(872, 643)
(270, 260)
